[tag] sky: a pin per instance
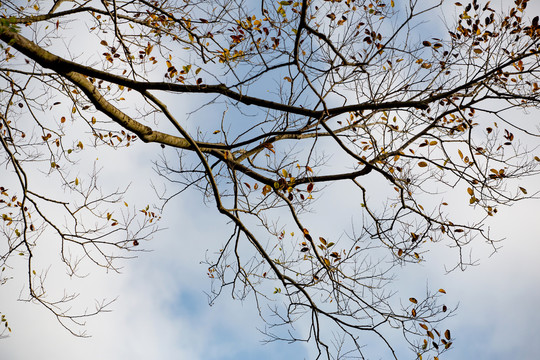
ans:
(162, 312)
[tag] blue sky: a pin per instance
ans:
(161, 311)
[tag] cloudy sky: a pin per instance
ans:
(162, 312)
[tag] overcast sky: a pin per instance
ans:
(162, 312)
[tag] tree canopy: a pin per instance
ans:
(416, 116)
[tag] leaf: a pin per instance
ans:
(523, 190)
(310, 187)
(426, 43)
(287, 78)
(413, 300)
(447, 334)
(322, 240)
(266, 189)
(413, 312)
(400, 252)
(422, 164)
(442, 291)
(470, 191)
(327, 262)
(424, 326)
(430, 334)
(104, 43)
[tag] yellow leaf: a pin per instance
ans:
(447, 334)
(327, 262)
(442, 291)
(76, 181)
(125, 203)
(470, 191)
(413, 300)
